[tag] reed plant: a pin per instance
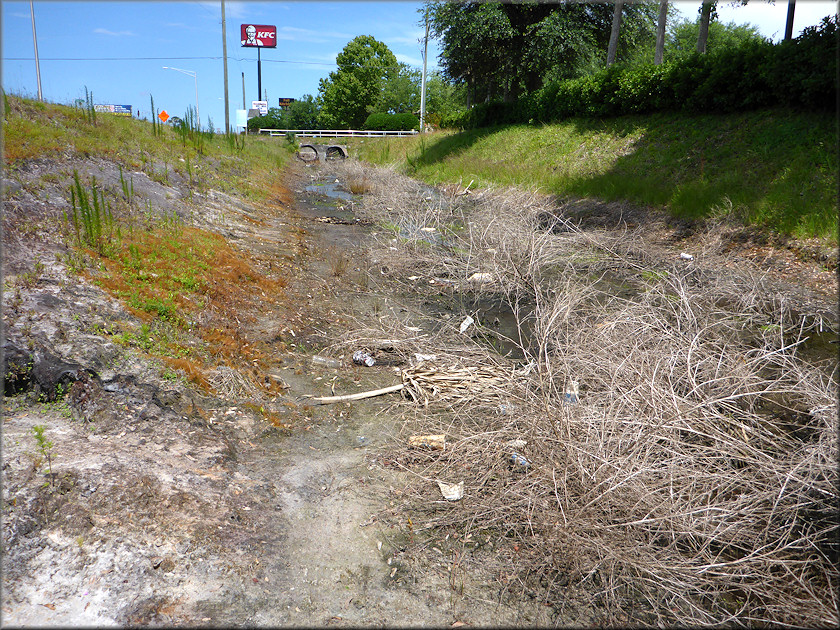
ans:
(91, 217)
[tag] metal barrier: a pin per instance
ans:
(336, 133)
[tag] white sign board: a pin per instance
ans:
(260, 105)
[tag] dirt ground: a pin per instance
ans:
(165, 505)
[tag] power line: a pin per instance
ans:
(310, 63)
(248, 59)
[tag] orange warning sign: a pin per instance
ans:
(163, 116)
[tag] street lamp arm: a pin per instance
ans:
(194, 75)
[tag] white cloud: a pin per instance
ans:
(104, 31)
(411, 61)
(292, 33)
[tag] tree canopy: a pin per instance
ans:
(352, 91)
(503, 50)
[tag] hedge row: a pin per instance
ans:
(391, 122)
(800, 73)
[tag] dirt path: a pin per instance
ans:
(166, 506)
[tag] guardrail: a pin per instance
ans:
(336, 133)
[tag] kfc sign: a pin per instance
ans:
(258, 35)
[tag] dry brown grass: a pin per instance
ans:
(694, 482)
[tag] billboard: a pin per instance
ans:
(285, 102)
(261, 106)
(119, 110)
(258, 35)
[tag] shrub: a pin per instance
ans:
(754, 74)
(380, 121)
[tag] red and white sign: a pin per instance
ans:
(253, 35)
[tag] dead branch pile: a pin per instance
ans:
(456, 385)
(694, 481)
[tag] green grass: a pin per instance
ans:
(36, 130)
(775, 169)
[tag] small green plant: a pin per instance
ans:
(127, 188)
(44, 447)
(29, 279)
(235, 142)
(92, 219)
(156, 128)
(90, 110)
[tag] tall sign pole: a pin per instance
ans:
(35, 42)
(224, 55)
(259, 76)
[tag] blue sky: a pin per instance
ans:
(118, 49)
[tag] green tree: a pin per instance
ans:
(352, 91)
(682, 39)
(501, 50)
(301, 114)
(443, 99)
(400, 91)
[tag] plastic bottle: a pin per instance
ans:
(326, 361)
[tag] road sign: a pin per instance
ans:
(163, 116)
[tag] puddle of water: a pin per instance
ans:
(331, 189)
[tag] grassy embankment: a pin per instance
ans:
(165, 271)
(773, 169)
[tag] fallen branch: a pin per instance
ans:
(326, 400)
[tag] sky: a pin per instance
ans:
(118, 50)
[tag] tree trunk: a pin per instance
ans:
(789, 23)
(705, 18)
(660, 32)
(616, 27)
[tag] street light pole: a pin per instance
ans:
(190, 73)
(35, 43)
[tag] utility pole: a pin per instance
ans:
(423, 81)
(243, 103)
(35, 42)
(789, 23)
(224, 54)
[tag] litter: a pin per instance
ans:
(419, 358)
(480, 278)
(469, 321)
(570, 396)
(684, 256)
(451, 491)
(519, 460)
(360, 357)
(326, 361)
(434, 442)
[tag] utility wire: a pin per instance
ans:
(311, 63)
(307, 63)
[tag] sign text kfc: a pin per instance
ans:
(258, 35)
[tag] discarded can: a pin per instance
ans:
(518, 460)
(468, 321)
(360, 357)
(326, 361)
